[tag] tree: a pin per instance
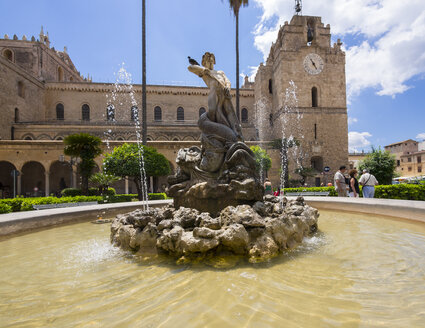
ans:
(263, 162)
(87, 148)
(381, 164)
(103, 181)
(125, 161)
(144, 123)
(235, 5)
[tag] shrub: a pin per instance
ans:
(4, 208)
(71, 192)
(119, 198)
(14, 203)
(331, 190)
(96, 192)
(157, 196)
(401, 191)
(27, 204)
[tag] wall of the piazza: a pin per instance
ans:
(21, 98)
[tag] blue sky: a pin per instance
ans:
(383, 39)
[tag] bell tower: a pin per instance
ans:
(303, 60)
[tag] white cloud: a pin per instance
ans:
(357, 141)
(387, 46)
(421, 136)
(352, 120)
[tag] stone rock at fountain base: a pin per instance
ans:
(258, 232)
(213, 197)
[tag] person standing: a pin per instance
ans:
(339, 182)
(368, 181)
(268, 187)
(354, 190)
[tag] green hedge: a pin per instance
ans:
(26, 204)
(72, 192)
(331, 190)
(157, 196)
(29, 202)
(14, 203)
(399, 191)
(4, 208)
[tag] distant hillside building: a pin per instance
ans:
(408, 156)
(43, 98)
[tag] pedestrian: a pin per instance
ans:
(368, 181)
(268, 187)
(353, 187)
(339, 182)
(277, 192)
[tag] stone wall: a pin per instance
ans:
(21, 93)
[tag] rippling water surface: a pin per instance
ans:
(356, 272)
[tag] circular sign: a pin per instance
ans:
(327, 169)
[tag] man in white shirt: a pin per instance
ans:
(339, 181)
(368, 181)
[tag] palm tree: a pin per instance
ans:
(144, 125)
(235, 6)
(86, 147)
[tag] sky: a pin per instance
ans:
(384, 41)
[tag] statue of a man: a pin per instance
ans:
(220, 126)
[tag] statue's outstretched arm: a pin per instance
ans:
(196, 69)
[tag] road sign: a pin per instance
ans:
(327, 169)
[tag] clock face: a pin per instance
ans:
(313, 64)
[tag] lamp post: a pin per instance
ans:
(73, 161)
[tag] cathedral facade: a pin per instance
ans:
(43, 98)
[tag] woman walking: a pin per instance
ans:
(354, 190)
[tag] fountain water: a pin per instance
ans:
(123, 96)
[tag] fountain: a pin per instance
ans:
(218, 196)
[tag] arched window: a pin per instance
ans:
(270, 86)
(180, 114)
(71, 79)
(16, 115)
(110, 113)
(201, 111)
(60, 74)
(157, 113)
(8, 54)
(85, 112)
(28, 138)
(244, 116)
(60, 112)
(134, 112)
(314, 102)
(21, 89)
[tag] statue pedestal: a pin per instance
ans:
(213, 197)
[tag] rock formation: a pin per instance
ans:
(257, 232)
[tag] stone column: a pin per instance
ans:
(47, 183)
(19, 184)
(74, 178)
(126, 185)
